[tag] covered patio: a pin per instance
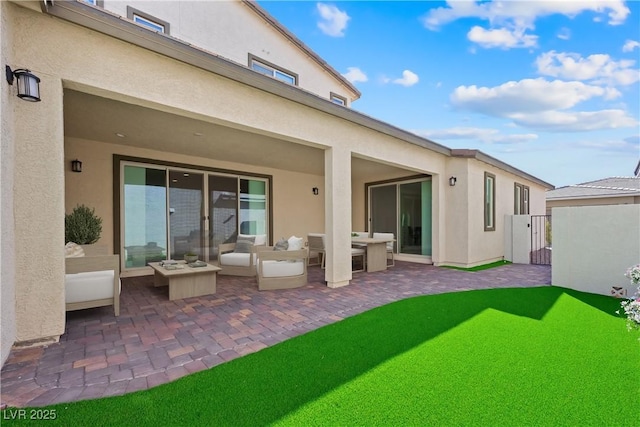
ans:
(155, 340)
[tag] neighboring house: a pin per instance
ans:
(185, 142)
(608, 191)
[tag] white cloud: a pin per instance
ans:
(630, 45)
(409, 78)
(522, 14)
(539, 104)
(355, 75)
(333, 20)
(582, 121)
(489, 136)
(629, 145)
(599, 68)
(564, 33)
(509, 20)
(526, 96)
(502, 38)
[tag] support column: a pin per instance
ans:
(337, 161)
(39, 213)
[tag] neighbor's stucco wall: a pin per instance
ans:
(7, 158)
(599, 201)
(593, 246)
(232, 30)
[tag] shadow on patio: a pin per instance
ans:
(155, 340)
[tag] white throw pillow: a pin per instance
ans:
(73, 250)
(295, 243)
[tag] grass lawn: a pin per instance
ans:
(479, 267)
(513, 357)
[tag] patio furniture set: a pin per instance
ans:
(93, 279)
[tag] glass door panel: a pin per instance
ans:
(383, 214)
(144, 216)
(253, 207)
(186, 213)
(410, 239)
(223, 212)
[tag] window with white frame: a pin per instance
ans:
(148, 21)
(489, 202)
(521, 199)
(271, 70)
(337, 99)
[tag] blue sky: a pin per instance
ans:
(550, 87)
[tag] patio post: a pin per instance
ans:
(338, 216)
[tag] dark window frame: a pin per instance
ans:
(131, 11)
(334, 96)
(521, 208)
(266, 64)
(489, 217)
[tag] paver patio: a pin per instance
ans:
(155, 340)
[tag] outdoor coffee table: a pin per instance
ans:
(186, 281)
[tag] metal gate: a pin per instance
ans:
(540, 239)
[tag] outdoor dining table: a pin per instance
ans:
(376, 252)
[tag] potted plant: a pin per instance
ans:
(190, 257)
(82, 226)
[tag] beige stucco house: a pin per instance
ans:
(198, 120)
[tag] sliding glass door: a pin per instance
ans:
(144, 212)
(167, 212)
(403, 208)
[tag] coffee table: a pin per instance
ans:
(186, 282)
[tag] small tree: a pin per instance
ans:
(82, 226)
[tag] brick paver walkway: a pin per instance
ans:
(155, 340)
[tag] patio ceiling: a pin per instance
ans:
(96, 118)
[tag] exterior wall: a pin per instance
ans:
(296, 211)
(593, 246)
(232, 30)
(601, 201)
(7, 159)
(467, 200)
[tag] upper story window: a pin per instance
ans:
(99, 3)
(268, 69)
(337, 99)
(489, 202)
(151, 22)
(521, 199)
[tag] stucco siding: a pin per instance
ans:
(596, 201)
(7, 159)
(232, 30)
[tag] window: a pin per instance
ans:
(99, 3)
(521, 199)
(152, 23)
(337, 99)
(268, 69)
(489, 202)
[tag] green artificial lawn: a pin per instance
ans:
(513, 357)
(479, 267)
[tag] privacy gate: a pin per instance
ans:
(540, 240)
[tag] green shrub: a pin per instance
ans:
(82, 226)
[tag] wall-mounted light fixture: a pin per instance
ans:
(28, 84)
(315, 191)
(76, 165)
(452, 181)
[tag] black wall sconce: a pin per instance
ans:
(28, 84)
(452, 181)
(315, 191)
(76, 165)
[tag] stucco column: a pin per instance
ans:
(39, 213)
(337, 176)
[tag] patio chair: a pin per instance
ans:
(239, 258)
(389, 246)
(316, 249)
(92, 279)
(281, 269)
(358, 253)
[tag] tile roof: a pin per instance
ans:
(607, 187)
